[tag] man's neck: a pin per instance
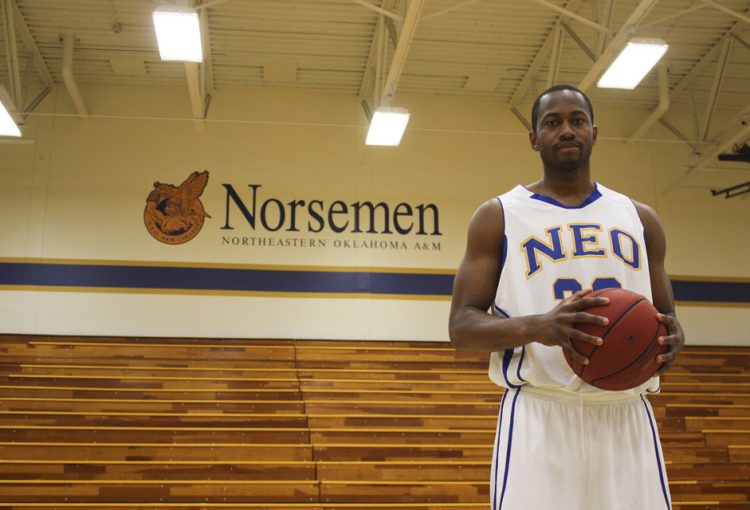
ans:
(569, 188)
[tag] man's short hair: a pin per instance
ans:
(555, 88)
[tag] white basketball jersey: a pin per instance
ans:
(551, 251)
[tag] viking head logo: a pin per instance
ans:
(174, 214)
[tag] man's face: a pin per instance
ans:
(564, 133)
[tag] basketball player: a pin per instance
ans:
(532, 256)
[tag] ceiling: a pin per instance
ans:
(508, 50)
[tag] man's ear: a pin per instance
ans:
(532, 140)
(596, 132)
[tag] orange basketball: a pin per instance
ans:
(627, 358)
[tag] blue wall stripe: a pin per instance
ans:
(717, 292)
(292, 280)
(219, 279)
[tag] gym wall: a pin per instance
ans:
(337, 240)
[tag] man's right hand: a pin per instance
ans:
(557, 327)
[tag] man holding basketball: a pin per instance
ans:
(533, 254)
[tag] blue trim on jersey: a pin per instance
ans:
(507, 356)
(497, 448)
(510, 444)
(658, 456)
(506, 314)
(505, 240)
(520, 363)
(593, 197)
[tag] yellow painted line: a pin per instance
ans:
(693, 278)
(741, 446)
(724, 431)
(213, 265)
(712, 304)
(226, 293)
(743, 351)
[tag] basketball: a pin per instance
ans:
(627, 358)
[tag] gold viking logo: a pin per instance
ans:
(174, 214)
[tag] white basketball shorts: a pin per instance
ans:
(555, 451)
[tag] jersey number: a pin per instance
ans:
(565, 287)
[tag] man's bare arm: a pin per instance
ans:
(472, 328)
(661, 287)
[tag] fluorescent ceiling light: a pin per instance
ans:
(8, 126)
(387, 126)
(633, 63)
(178, 33)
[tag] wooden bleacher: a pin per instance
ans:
(269, 424)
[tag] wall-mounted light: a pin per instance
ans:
(633, 63)
(178, 33)
(387, 126)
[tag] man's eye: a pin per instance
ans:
(551, 123)
(578, 122)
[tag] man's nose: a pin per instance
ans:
(566, 131)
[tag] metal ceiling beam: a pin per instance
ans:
(192, 73)
(30, 44)
(371, 85)
(617, 42)
(11, 53)
(447, 10)
(539, 58)
(554, 62)
(69, 79)
(722, 146)
(701, 65)
(660, 109)
(402, 50)
(601, 43)
(573, 35)
(721, 68)
(740, 119)
(727, 10)
(377, 9)
(566, 12)
(206, 67)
